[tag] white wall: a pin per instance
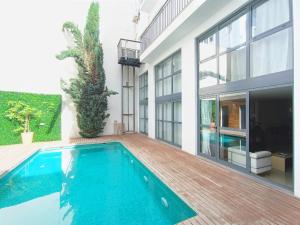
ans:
(31, 36)
(296, 20)
(185, 41)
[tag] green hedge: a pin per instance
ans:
(48, 128)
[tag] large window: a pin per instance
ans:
(208, 128)
(269, 14)
(223, 128)
(168, 99)
(168, 76)
(271, 50)
(233, 129)
(255, 42)
(245, 81)
(208, 61)
(143, 103)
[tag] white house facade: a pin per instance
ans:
(222, 83)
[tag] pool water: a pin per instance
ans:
(87, 185)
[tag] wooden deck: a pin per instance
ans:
(219, 195)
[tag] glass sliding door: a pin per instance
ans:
(223, 128)
(208, 128)
(271, 134)
(143, 103)
(232, 131)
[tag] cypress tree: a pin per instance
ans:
(88, 90)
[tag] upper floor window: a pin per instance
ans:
(168, 76)
(207, 47)
(239, 49)
(269, 14)
(232, 50)
(233, 34)
(271, 49)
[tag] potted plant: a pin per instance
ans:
(21, 113)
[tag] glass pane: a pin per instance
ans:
(208, 109)
(159, 112)
(272, 54)
(142, 114)
(230, 114)
(176, 62)
(146, 80)
(168, 131)
(159, 72)
(141, 94)
(146, 126)
(233, 34)
(167, 67)
(168, 86)
(159, 88)
(207, 47)
(146, 92)
(130, 100)
(168, 111)
(208, 73)
(177, 111)
(233, 149)
(232, 66)
(269, 15)
(160, 129)
(141, 81)
(146, 111)
(208, 141)
(177, 133)
(142, 125)
(125, 100)
(177, 83)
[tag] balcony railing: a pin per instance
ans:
(129, 52)
(168, 12)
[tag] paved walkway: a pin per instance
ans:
(219, 195)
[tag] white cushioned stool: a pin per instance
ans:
(260, 162)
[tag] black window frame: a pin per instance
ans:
(143, 100)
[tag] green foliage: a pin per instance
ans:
(87, 90)
(46, 124)
(21, 113)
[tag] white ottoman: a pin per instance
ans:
(260, 162)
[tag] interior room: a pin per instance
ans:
(271, 132)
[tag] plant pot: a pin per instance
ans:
(27, 137)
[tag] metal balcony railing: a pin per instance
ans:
(129, 52)
(168, 12)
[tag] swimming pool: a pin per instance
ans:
(87, 185)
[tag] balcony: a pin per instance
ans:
(166, 15)
(129, 52)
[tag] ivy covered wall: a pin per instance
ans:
(47, 128)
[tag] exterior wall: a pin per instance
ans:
(296, 21)
(189, 69)
(31, 37)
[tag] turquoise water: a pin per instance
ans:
(87, 185)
